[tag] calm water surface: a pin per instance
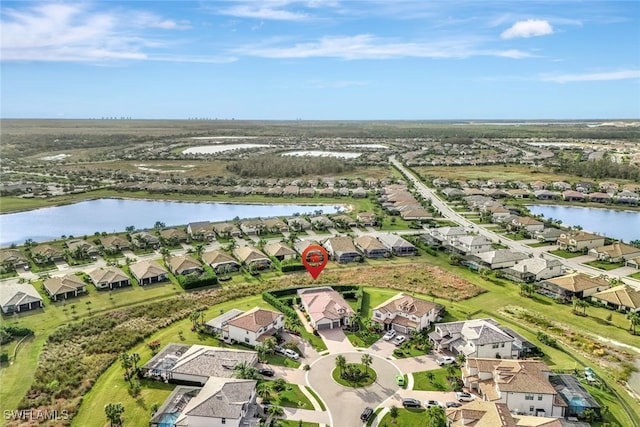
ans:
(624, 225)
(111, 215)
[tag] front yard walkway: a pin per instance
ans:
(303, 319)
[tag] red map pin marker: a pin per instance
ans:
(314, 259)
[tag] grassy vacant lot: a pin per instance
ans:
(566, 254)
(605, 265)
(291, 397)
(439, 383)
(522, 173)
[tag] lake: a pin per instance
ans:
(111, 215)
(624, 225)
(315, 153)
(213, 149)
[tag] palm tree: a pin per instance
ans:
(125, 362)
(245, 371)
(135, 358)
(634, 320)
(194, 317)
(270, 344)
(264, 391)
(460, 359)
(393, 413)
(366, 360)
(261, 349)
(114, 412)
(341, 363)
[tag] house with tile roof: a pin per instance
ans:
(44, 253)
(252, 258)
(184, 264)
(572, 285)
(174, 235)
(397, 245)
(148, 272)
(326, 307)
(621, 298)
(279, 251)
(371, 247)
(19, 297)
(226, 230)
(252, 327)
(500, 258)
(405, 313)
(82, 246)
(481, 413)
(114, 243)
(14, 257)
(522, 385)
(144, 239)
(342, 249)
(201, 230)
(63, 287)
(527, 223)
(471, 244)
(220, 261)
(531, 270)
(550, 234)
(109, 277)
(617, 252)
(579, 240)
(221, 401)
(298, 223)
(275, 225)
(474, 338)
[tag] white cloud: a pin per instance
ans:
(367, 46)
(591, 77)
(76, 33)
(528, 28)
(266, 9)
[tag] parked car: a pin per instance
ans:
(291, 354)
(399, 339)
(453, 404)
(463, 396)
(366, 414)
(431, 403)
(267, 372)
(446, 360)
(390, 334)
(279, 349)
(400, 380)
(411, 403)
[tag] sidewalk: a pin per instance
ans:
(303, 319)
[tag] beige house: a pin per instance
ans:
(63, 287)
(254, 326)
(572, 285)
(109, 277)
(405, 313)
(326, 307)
(580, 240)
(148, 272)
(617, 252)
(623, 298)
(280, 251)
(219, 260)
(46, 253)
(342, 249)
(114, 243)
(252, 258)
(184, 264)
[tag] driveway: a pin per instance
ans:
(345, 404)
(319, 417)
(417, 364)
(336, 341)
(382, 348)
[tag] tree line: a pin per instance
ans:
(273, 166)
(602, 168)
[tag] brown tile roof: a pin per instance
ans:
(522, 376)
(248, 254)
(623, 295)
(66, 283)
(255, 319)
(183, 262)
(278, 249)
(406, 304)
(217, 257)
(369, 243)
(107, 275)
(147, 269)
(577, 282)
(579, 236)
(618, 250)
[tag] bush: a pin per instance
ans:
(4, 357)
(10, 332)
(192, 281)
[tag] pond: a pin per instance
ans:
(115, 215)
(213, 149)
(624, 225)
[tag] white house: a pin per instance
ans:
(534, 269)
(17, 297)
(500, 258)
(326, 307)
(472, 244)
(254, 326)
(474, 338)
(523, 385)
(405, 313)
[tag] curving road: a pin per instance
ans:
(449, 213)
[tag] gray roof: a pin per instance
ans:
(207, 361)
(501, 255)
(535, 265)
(481, 331)
(220, 321)
(393, 241)
(18, 293)
(221, 398)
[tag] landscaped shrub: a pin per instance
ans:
(10, 332)
(195, 280)
(4, 357)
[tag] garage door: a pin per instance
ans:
(323, 326)
(400, 329)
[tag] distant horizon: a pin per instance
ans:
(133, 119)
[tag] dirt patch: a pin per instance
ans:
(424, 279)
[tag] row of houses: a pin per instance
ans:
(398, 200)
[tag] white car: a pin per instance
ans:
(399, 339)
(390, 334)
(291, 354)
(463, 396)
(446, 360)
(432, 403)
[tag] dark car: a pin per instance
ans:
(453, 404)
(267, 372)
(366, 414)
(411, 403)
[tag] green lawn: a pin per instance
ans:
(539, 244)
(293, 423)
(566, 254)
(336, 375)
(514, 236)
(291, 397)
(635, 275)
(439, 383)
(314, 394)
(280, 360)
(406, 418)
(360, 339)
(604, 265)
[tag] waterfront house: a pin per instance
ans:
(620, 298)
(617, 252)
(579, 241)
(572, 285)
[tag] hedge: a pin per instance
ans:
(192, 282)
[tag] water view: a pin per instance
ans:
(315, 153)
(213, 149)
(111, 215)
(624, 225)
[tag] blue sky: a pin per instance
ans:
(321, 59)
